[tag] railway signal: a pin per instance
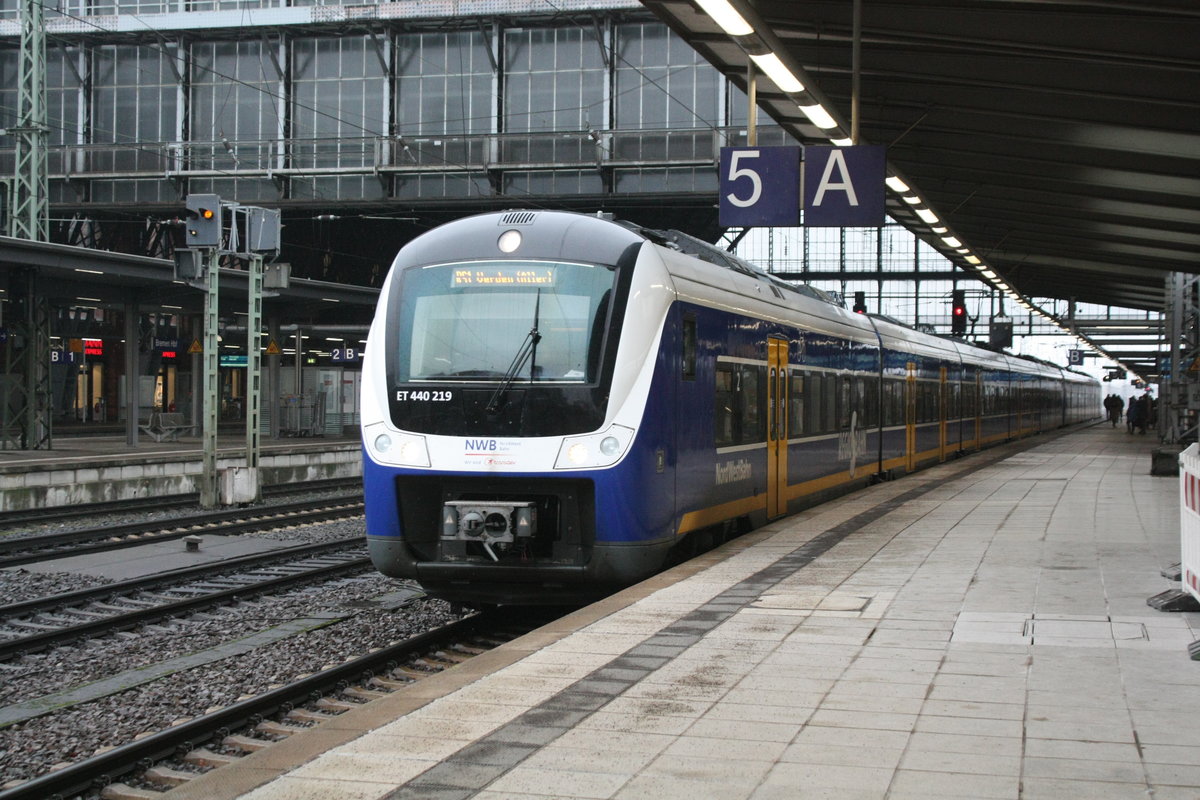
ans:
(860, 302)
(203, 220)
(958, 312)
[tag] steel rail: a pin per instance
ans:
(56, 602)
(10, 519)
(40, 641)
(102, 769)
(118, 536)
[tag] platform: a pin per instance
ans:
(90, 469)
(977, 630)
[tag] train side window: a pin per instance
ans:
(725, 406)
(872, 389)
(753, 397)
(860, 403)
(796, 421)
(830, 421)
(843, 403)
(815, 398)
(689, 348)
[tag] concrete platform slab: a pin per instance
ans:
(977, 635)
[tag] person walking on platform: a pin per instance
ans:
(1114, 405)
(1133, 414)
(1142, 409)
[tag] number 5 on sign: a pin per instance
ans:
(759, 186)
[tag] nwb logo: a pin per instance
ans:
(481, 445)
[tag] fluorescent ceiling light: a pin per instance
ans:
(953, 242)
(973, 260)
(776, 71)
(912, 199)
(724, 15)
(89, 271)
(939, 230)
(842, 142)
(987, 273)
(896, 185)
(927, 216)
(819, 116)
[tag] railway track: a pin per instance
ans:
(195, 746)
(40, 516)
(36, 625)
(25, 550)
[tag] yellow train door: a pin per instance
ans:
(910, 417)
(978, 421)
(943, 414)
(777, 427)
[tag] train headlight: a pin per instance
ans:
(577, 454)
(412, 451)
(509, 241)
(597, 450)
(396, 448)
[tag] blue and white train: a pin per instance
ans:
(555, 405)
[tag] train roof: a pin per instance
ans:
(819, 307)
(891, 328)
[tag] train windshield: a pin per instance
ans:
(496, 321)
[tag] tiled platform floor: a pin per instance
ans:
(978, 634)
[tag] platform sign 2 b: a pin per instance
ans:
(844, 186)
(759, 186)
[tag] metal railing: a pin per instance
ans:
(395, 154)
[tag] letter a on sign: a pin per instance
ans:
(843, 186)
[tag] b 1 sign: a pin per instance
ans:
(760, 186)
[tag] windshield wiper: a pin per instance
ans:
(527, 352)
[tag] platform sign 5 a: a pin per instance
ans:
(760, 186)
(843, 186)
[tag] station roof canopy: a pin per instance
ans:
(1059, 140)
(77, 276)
